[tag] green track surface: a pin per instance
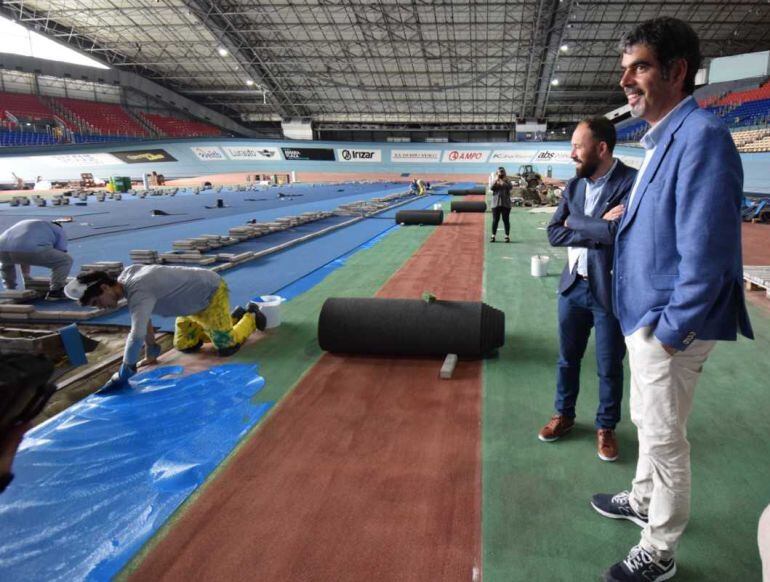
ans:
(537, 521)
(290, 350)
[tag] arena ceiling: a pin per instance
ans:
(384, 61)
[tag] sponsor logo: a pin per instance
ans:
(84, 160)
(415, 156)
(303, 154)
(553, 156)
(208, 154)
(144, 156)
(466, 156)
(251, 153)
(351, 155)
(515, 156)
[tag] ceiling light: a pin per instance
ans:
(564, 48)
(222, 51)
(554, 82)
(249, 82)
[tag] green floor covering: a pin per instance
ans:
(291, 349)
(537, 521)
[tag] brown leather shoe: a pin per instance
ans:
(557, 427)
(607, 444)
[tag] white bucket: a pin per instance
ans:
(270, 305)
(540, 265)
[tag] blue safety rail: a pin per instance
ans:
(96, 482)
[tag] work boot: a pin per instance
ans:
(606, 444)
(227, 352)
(259, 317)
(192, 349)
(237, 313)
(557, 427)
(55, 295)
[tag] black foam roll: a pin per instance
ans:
(419, 217)
(467, 192)
(409, 327)
(468, 206)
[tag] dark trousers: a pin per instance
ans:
(497, 212)
(578, 313)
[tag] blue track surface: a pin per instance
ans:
(94, 483)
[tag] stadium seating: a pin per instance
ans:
(103, 118)
(174, 127)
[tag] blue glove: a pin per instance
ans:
(151, 351)
(120, 378)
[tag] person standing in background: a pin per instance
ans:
(501, 203)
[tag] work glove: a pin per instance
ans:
(120, 378)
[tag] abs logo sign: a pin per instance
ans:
(553, 157)
(208, 154)
(466, 156)
(351, 155)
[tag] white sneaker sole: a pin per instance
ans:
(636, 520)
(545, 440)
(608, 459)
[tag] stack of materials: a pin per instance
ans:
(189, 257)
(144, 257)
(113, 268)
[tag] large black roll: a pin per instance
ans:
(419, 217)
(409, 327)
(468, 206)
(467, 192)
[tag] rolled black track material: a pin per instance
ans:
(409, 327)
(467, 192)
(419, 217)
(468, 206)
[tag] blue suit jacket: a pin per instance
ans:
(592, 232)
(678, 265)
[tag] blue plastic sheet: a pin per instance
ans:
(98, 480)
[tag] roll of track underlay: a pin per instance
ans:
(467, 192)
(468, 206)
(409, 327)
(419, 217)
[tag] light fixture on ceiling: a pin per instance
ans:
(223, 52)
(564, 48)
(554, 82)
(249, 82)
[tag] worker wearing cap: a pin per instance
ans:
(198, 297)
(40, 243)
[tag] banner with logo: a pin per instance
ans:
(553, 157)
(358, 155)
(260, 153)
(208, 154)
(144, 156)
(305, 154)
(415, 156)
(83, 160)
(465, 156)
(512, 156)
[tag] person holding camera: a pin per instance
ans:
(501, 203)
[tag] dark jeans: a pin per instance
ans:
(578, 313)
(496, 214)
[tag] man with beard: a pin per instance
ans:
(585, 222)
(678, 285)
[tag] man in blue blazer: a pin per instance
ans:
(585, 222)
(677, 281)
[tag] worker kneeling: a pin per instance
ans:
(198, 297)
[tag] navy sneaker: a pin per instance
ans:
(641, 566)
(617, 507)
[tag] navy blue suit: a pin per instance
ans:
(587, 303)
